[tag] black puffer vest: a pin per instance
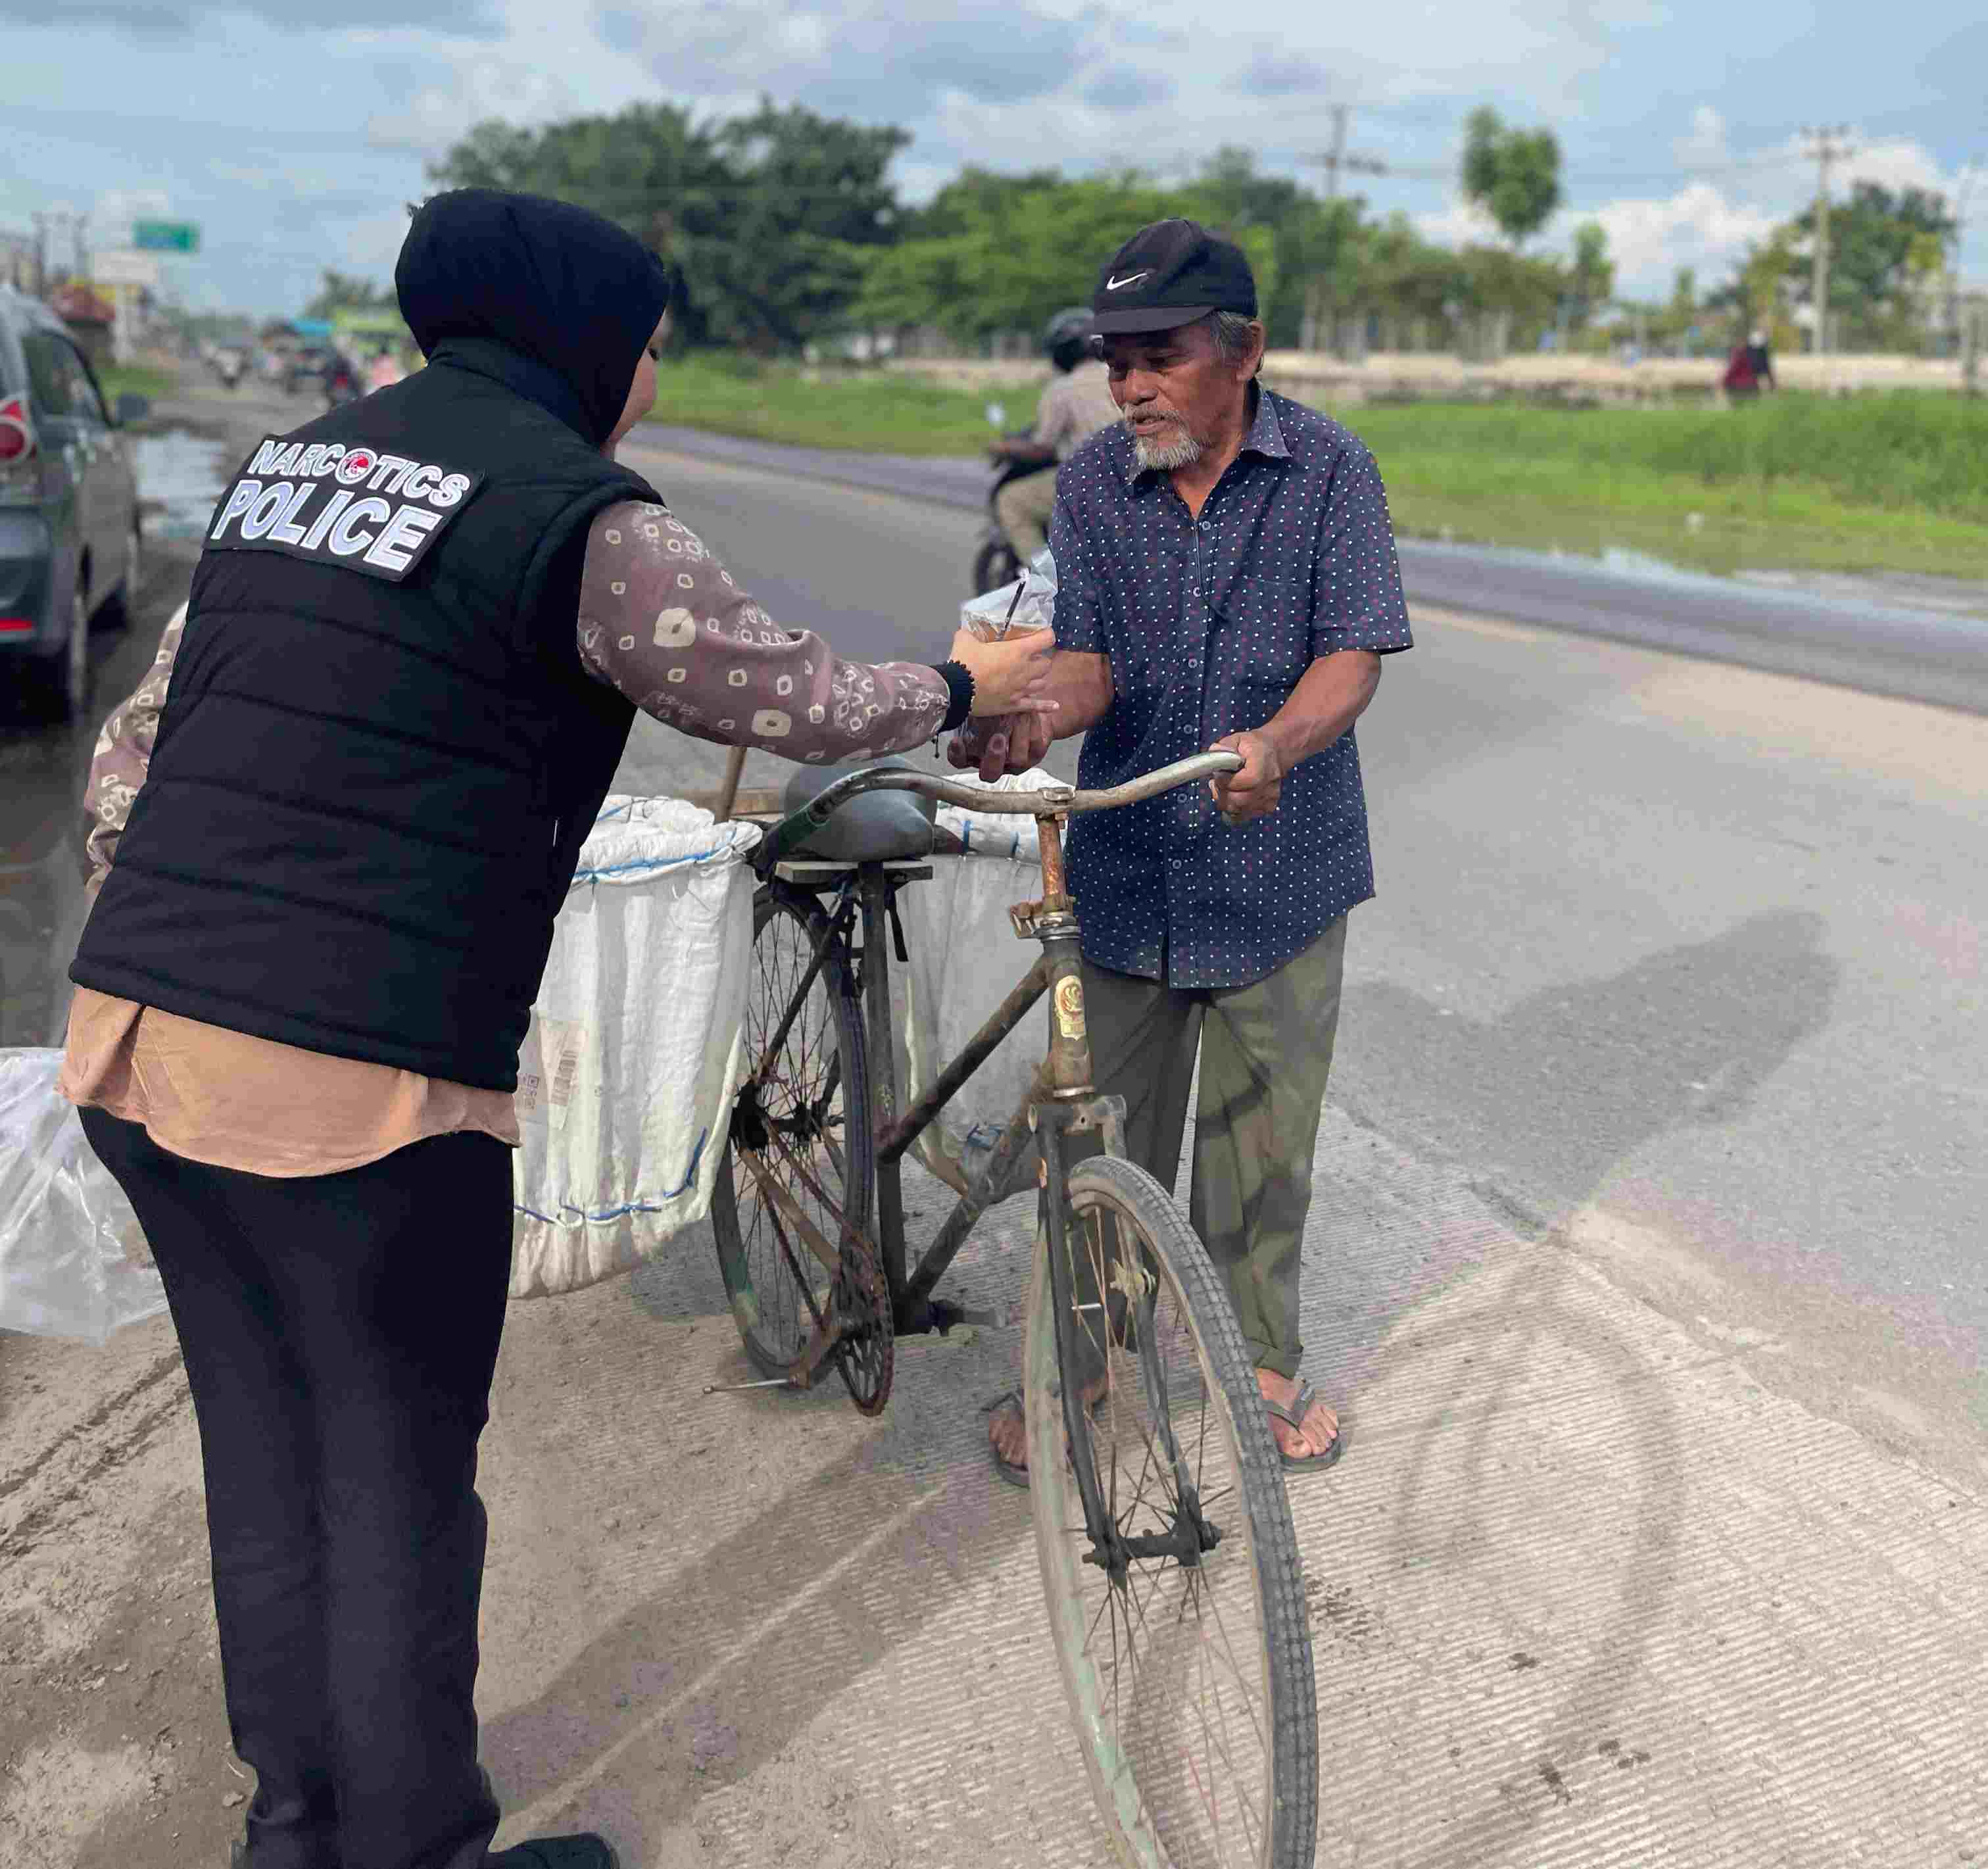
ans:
(380, 755)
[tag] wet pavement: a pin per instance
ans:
(44, 762)
(180, 473)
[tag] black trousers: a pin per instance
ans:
(339, 1333)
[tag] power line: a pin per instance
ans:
(1371, 165)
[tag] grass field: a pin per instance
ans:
(871, 412)
(1894, 481)
(124, 379)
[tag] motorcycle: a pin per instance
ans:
(995, 563)
(341, 384)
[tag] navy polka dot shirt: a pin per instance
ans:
(1209, 623)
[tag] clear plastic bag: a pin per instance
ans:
(1034, 609)
(73, 1262)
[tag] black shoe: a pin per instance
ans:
(587, 1851)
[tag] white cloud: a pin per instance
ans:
(1456, 224)
(1899, 162)
(288, 134)
(1704, 145)
(478, 87)
(1698, 226)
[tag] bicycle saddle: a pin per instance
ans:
(875, 827)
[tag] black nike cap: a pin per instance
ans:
(1170, 273)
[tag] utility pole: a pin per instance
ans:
(1826, 145)
(1969, 178)
(1340, 114)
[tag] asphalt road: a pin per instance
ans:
(1645, 1258)
(1921, 640)
(1682, 962)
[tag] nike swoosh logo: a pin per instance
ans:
(1130, 279)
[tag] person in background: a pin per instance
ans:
(1226, 574)
(1750, 367)
(1076, 404)
(331, 832)
(385, 371)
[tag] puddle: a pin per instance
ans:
(1877, 593)
(181, 476)
(1953, 596)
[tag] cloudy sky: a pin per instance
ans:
(293, 134)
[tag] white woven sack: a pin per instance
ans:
(635, 1051)
(965, 958)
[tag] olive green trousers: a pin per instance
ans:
(1266, 1053)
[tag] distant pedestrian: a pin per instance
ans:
(1750, 367)
(385, 371)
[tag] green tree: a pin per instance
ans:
(1881, 241)
(1002, 253)
(1591, 283)
(1765, 282)
(1513, 174)
(771, 216)
(1299, 247)
(341, 291)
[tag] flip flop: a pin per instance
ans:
(1301, 1405)
(1014, 1472)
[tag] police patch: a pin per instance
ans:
(339, 504)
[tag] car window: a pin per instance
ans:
(82, 386)
(49, 379)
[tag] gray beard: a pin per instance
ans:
(1166, 456)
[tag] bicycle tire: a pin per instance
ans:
(768, 1307)
(1165, 1799)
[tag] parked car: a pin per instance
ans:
(71, 546)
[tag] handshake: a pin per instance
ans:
(1011, 728)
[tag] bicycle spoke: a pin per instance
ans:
(1177, 1692)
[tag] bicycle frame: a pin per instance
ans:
(1062, 1098)
(1061, 1101)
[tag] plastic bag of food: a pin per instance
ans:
(1027, 604)
(73, 1260)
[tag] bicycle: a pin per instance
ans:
(1167, 1549)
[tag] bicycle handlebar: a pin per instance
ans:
(1047, 802)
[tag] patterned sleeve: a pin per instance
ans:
(664, 622)
(124, 753)
(1358, 601)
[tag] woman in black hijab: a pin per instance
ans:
(362, 772)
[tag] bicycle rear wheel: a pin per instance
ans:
(1188, 1667)
(799, 1153)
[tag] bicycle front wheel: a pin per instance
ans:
(1181, 1633)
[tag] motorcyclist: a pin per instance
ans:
(1076, 404)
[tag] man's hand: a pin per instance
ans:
(1252, 791)
(1011, 744)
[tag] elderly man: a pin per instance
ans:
(1227, 578)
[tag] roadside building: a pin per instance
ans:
(90, 317)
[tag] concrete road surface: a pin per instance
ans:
(1646, 1262)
